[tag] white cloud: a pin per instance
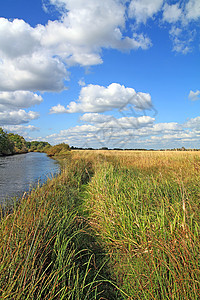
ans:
(182, 15)
(96, 98)
(88, 26)
(39, 62)
(21, 129)
(106, 130)
(27, 65)
(194, 95)
(141, 10)
(17, 128)
(11, 104)
(193, 10)
(58, 109)
(172, 126)
(193, 123)
(108, 121)
(17, 117)
(96, 118)
(182, 39)
(19, 99)
(183, 11)
(172, 13)
(37, 73)
(12, 33)
(81, 82)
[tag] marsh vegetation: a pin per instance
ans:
(112, 225)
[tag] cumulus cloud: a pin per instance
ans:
(58, 109)
(27, 65)
(185, 12)
(193, 123)
(11, 104)
(108, 121)
(194, 95)
(87, 27)
(40, 62)
(20, 128)
(141, 10)
(96, 118)
(172, 13)
(13, 33)
(163, 127)
(23, 130)
(182, 15)
(106, 130)
(36, 73)
(192, 10)
(96, 98)
(18, 99)
(17, 117)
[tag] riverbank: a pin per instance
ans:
(113, 225)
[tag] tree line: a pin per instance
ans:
(11, 143)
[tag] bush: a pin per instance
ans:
(59, 149)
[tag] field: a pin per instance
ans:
(113, 225)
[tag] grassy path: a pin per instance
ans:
(113, 225)
(46, 249)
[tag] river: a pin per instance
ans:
(18, 173)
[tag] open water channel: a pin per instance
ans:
(19, 173)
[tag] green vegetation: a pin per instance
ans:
(6, 146)
(36, 146)
(11, 143)
(145, 210)
(58, 150)
(44, 249)
(18, 142)
(113, 225)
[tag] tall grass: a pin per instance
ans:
(112, 225)
(145, 209)
(44, 249)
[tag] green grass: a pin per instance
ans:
(112, 225)
(46, 250)
(148, 221)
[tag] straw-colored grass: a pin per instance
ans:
(44, 249)
(113, 225)
(144, 207)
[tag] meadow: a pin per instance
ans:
(112, 225)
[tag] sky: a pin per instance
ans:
(101, 73)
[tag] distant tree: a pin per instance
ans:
(37, 146)
(19, 143)
(6, 145)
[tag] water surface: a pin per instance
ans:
(18, 173)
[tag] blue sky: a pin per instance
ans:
(94, 73)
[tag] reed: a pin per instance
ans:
(44, 248)
(112, 225)
(144, 207)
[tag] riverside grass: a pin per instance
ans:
(144, 207)
(44, 242)
(113, 225)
